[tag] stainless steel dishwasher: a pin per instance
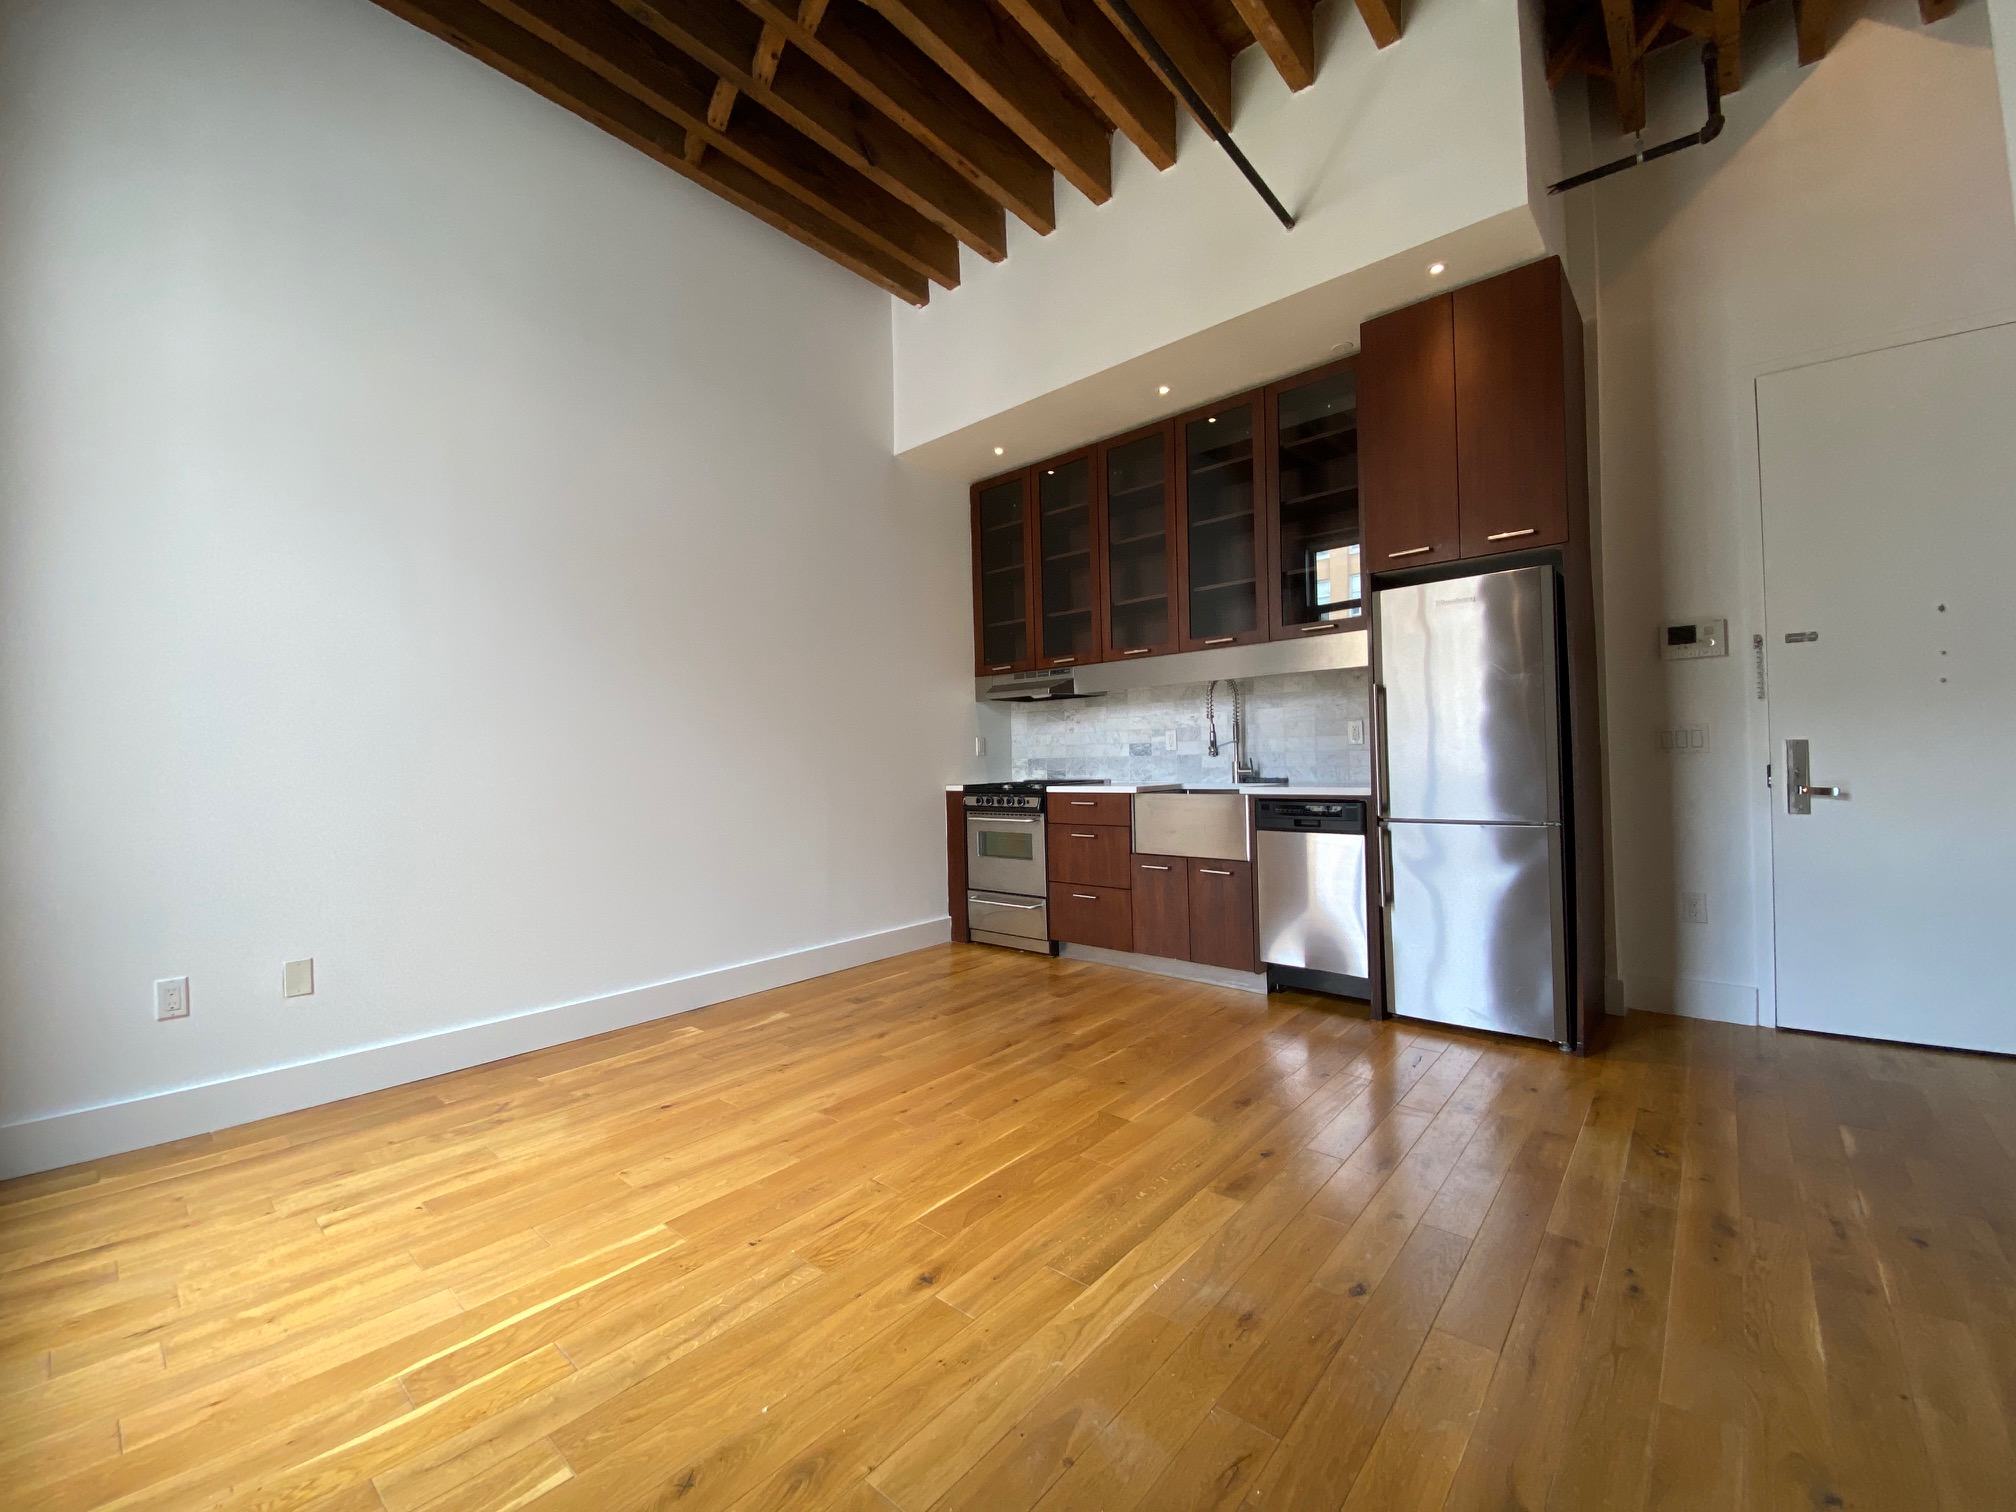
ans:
(1310, 870)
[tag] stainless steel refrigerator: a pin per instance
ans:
(1471, 825)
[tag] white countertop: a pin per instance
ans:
(1255, 789)
(1115, 787)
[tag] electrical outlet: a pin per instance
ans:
(171, 999)
(1354, 731)
(1694, 907)
(979, 745)
(297, 979)
(1169, 740)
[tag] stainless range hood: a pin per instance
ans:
(1317, 653)
(1041, 686)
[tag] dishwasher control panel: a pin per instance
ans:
(1315, 816)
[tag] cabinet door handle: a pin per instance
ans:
(1210, 871)
(1075, 835)
(1138, 651)
(1084, 803)
(1511, 535)
(1065, 661)
(1002, 668)
(1146, 867)
(1086, 897)
(1312, 629)
(1410, 551)
(1221, 640)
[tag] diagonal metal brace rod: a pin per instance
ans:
(1711, 129)
(1166, 65)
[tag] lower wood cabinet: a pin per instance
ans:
(1094, 853)
(1221, 914)
(1081, 914)
(1162, 907)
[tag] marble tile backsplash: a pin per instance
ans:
(1299, 726)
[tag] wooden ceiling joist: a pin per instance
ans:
(886, 69)
(1191, 45)
(487, 36)
(635, 59)
(1382, 19)
(1286, 32)
(1627, 74)
(1809, 20)
(1728, 22)
(1090, 51)
(894, 135)
(750, 56)
(1000, 67)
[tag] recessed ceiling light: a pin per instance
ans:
(999, 450)
(1163, 390)
(1435, 270)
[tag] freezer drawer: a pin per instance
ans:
(1474, 931)
(1312, 902)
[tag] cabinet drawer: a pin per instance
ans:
(1161, 904)
(1098, 916)
(1221, 914)
(1096, 853)
(1084, 809)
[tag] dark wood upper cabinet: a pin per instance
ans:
(1139, 530)
(1223, 479)
(1317, 555)
(1511, 429)
(1068, 576)
(1407, 435)
(1003, 586)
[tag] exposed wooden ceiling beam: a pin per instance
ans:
(1627, 73)
(749, 55)
(1382, 19)
(1192, 46)
(1936, 10)
(1286, 32)
(881, 65)
(637, 60)
(1728, 18)
(1090, 51)
(1572, 52)
(1809, 20)
(999, 67)
(488, 37)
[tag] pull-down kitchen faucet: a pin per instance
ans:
(1242, 769)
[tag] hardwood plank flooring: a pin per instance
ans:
(975, 1229)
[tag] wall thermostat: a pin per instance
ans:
(1694, 639)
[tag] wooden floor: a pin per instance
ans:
(977, 1229)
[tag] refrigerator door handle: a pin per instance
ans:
(1380, 773)
(1385, 863)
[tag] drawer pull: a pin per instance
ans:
(1086, 897)
(1511, 535)
(1138, 651)
(1212, 871)
(1146, 867)
(1077, 835)
(1221, 640)
(1084, 803)
(1410, 551)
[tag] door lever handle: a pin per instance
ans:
(1807, 790)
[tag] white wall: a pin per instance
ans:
(437, 540)
(1850, 205)
(1386, 152)
(2002, 22)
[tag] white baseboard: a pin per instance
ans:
(60, 1139)
(1693, 997)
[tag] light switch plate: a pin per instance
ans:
(297, 979)
(171, 999)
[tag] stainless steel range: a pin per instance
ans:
(1007, 868)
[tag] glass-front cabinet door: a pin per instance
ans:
(1067, 593)
(1318, 565)
(1222, 478)
(1002, 583)
(1140, 544)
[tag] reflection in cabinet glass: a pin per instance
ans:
(1316, 471)
(1069, 631)
(1219, 480)
(1004, 584)
(1137, 546)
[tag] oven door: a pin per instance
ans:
(1004, 854)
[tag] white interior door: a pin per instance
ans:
(1889, 486)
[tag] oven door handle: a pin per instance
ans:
(991, 819)
(1018, 907)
